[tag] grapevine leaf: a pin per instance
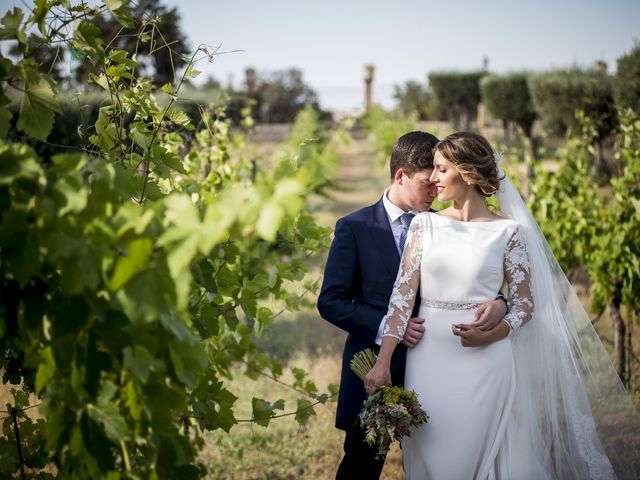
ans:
(107, 414)
(46, 369)
(269, 222)
(187, 359)
(192, 72)
(38, 105)
(40, 11)
(178, 117)
(80, 270)
(138, 360)
(133, 262)
(17, 161)
(304, 411)
(11, 26)
(221, 416)
(263, 411)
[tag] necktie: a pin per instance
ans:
(405, 219)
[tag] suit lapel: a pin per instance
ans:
(383, 238)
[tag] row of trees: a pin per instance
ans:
(272, 97)
(521, 98)
(138, 269)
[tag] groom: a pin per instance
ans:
(361, 268)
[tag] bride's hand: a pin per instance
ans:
(379, 375)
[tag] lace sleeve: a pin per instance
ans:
(406, 285)
(517, 270)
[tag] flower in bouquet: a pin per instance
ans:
(389, 414)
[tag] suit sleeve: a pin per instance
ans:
(337, 303)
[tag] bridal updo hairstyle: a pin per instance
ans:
(474, 159)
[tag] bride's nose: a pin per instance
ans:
(433, 178)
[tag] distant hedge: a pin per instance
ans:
(456, 96)
(507, 97)
(558, 94)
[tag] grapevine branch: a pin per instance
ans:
(284, 384)
(253, 420)
(14, 414)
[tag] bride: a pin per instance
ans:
(535, 398)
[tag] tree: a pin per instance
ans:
(211, 83)
(557, 95)
(47, 57)
(626, 82)
(456, 95)
(413, 97)
(507, 97)
(161, 51)
(282, 94)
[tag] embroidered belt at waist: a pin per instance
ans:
(449, 305)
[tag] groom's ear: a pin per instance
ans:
(397, 177)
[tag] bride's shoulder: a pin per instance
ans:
(425, 216)
(420, 218)
(496, 217)
(512, 228)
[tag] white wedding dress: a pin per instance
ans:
(544, 403)
(468, 392)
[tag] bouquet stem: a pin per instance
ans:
(362, 362)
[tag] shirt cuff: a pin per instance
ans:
(380, 331)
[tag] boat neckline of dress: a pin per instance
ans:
(470, 222)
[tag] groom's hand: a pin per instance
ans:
(471, 336)
(489, 314)
(414, 332)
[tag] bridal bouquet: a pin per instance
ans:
(388, 414)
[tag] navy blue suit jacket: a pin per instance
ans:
(361, 268)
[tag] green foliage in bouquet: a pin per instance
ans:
(389, 415)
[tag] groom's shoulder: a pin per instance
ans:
(364, 214)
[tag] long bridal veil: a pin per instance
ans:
(573, 417)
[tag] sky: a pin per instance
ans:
(332, 40)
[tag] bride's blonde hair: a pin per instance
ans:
(474, 159)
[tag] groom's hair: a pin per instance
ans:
(412, 152)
